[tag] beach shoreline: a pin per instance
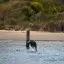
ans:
(34, 35)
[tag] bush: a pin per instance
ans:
(2, 1)
(61, 25)
(2, 26)
(36, 6)
(50, 26)
(27, 11)
(35, 27)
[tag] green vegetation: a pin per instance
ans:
(2, 1)
(44, 15)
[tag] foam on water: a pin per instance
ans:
(14, 52)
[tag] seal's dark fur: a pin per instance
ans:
(31, 43)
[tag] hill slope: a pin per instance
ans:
(47, 15)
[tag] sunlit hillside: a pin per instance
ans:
(44, 15)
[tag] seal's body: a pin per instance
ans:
(31, 43)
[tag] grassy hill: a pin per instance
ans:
(45, 15)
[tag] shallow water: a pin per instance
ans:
(14, 52)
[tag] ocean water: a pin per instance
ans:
(48, 52)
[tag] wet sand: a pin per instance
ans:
(34, 35)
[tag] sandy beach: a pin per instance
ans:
(34, 35)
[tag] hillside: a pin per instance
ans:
(44, 15)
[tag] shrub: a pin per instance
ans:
(27, 11)
(2, 26)
(2, 1)
(35, 27)
(36, 6)
(50, 26)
